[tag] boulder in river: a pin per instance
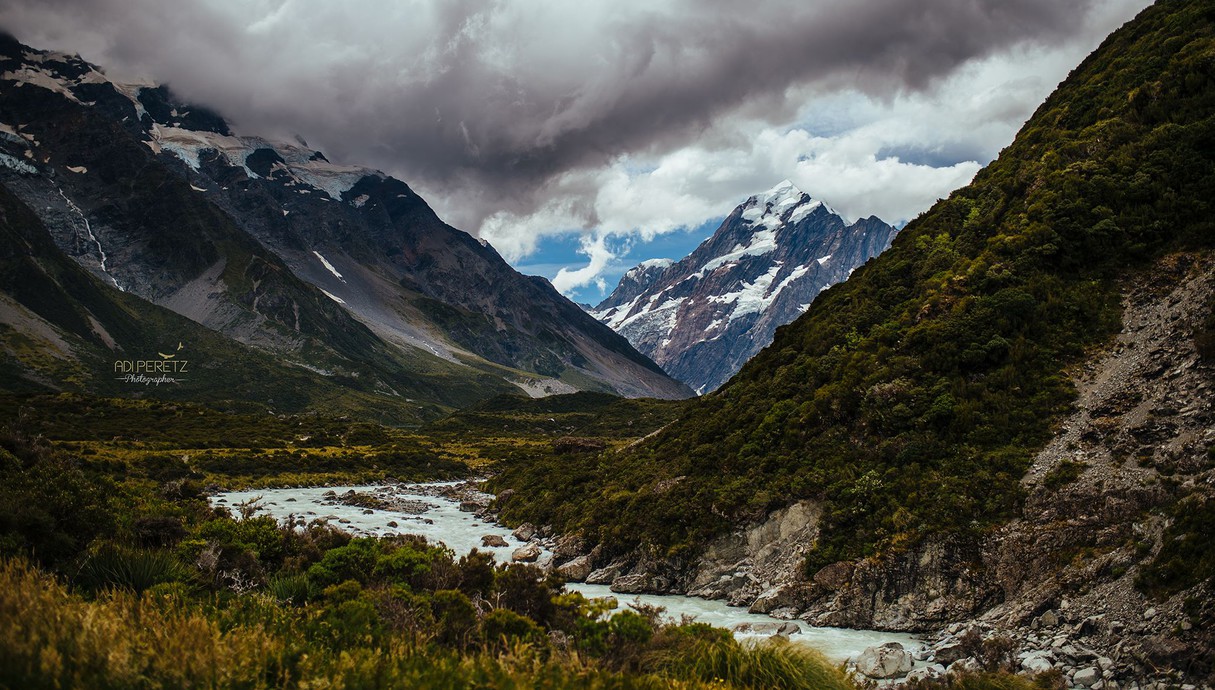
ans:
(493, 540)
(885, 661)
(576, 570)
(525, 532)
(768, 628)
(790, 595)
(528, 553)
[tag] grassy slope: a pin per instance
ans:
(910, 398)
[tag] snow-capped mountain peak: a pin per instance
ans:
(701, 318)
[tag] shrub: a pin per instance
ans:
(503, 628)
(49, 509)
(113, 566)
(772, 664)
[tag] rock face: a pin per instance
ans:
(576, 570)
(887, 661)
(527, 553)
(632, 584)
(340, 268)
(761, 563)
(703, 317)
(1143, 413)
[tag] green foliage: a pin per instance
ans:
(911, 398)
(115, 566)
(1066, 472)
(50, 638)
(49, 508)
(1187, 555)
(505, 628)
(775, 665)
(596, 415)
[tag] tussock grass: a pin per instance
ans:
(773, 664)
(120, 567)
(51, 638)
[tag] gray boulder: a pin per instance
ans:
(886, 661)
(576, 570)
(1087, 677)
(1037, 662)
(790, 595)
(930, 672)
(527, 553)
(525, 532)
(768, 628)
(570, 546)
(493, 540)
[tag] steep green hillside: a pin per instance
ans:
(911, 398)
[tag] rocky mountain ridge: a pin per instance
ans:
(704, 316)
(342, 269)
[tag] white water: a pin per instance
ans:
(89, 230)
(444, 522)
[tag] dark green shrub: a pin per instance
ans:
(113, 566)
(503, 628)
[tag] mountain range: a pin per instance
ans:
(703, 317)
(337, 272)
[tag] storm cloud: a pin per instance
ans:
(511, 114)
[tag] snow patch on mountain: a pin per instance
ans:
(329, 266)
(40, 77)
(332, 296)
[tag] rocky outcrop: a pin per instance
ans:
(1058, 582)
(761, 561)
(575, 570)
(528, 553)
(932, 584)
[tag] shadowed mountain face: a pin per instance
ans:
(338, 269)
(703, 317)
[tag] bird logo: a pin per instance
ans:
(164, 356)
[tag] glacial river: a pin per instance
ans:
(440, 519)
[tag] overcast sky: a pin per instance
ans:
(582, 137)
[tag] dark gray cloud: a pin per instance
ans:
(499, 99)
